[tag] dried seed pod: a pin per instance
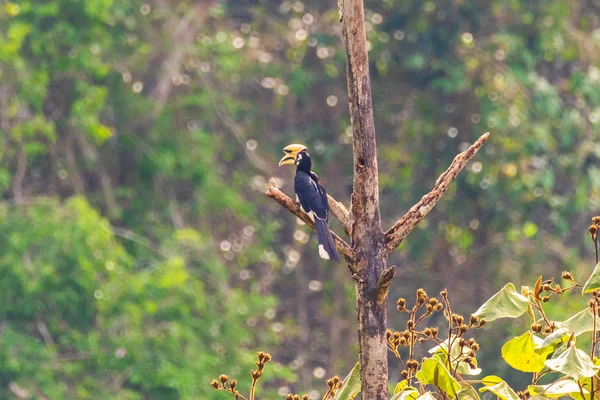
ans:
(566, 275)
(593, 229)
(401, 304)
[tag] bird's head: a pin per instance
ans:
(291, 153)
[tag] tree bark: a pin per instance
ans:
(368, 239)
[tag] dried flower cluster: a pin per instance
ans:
(334, 385)
(424, 307)
(226, 384)
(297, 397)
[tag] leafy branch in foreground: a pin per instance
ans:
(548, 346)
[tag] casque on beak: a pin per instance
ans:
(290, 153)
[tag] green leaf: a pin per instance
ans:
(520, 353)
(579, 323)
(593, 281)
(350, 386)
(507, 303)
(556, 389)
(468, 392)
(433, 372)
(497, 386)
(426, 396)
(561, 334)
(574, 363)
(401, 386)
(408, 393)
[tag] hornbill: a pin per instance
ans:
(312, 197)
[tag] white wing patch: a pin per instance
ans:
(323, 253)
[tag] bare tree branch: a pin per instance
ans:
(43, 329)
(342, 247)
(341, 213)
(236, 130)
(183, 33)
(17, 185)
(396, 234)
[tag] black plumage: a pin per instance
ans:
(313, 200)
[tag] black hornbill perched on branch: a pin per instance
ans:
(312, 197)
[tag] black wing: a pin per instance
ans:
(311, 194)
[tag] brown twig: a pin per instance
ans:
(341, 213)
(396, 234)
(342, 247)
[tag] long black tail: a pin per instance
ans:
(326, 244)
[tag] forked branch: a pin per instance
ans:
(396, 234)
(342, 247)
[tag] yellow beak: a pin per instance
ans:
(290, 153)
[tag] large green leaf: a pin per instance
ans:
(350, 386)
(574, 363)
(433, 372)
(500, 388)
(579, 323)
(593, 281)
(520, 353)
(507, 303)
(556, 389)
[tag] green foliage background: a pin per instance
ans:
(139, 256)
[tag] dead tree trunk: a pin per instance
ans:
(368, 240)
(370, 247)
